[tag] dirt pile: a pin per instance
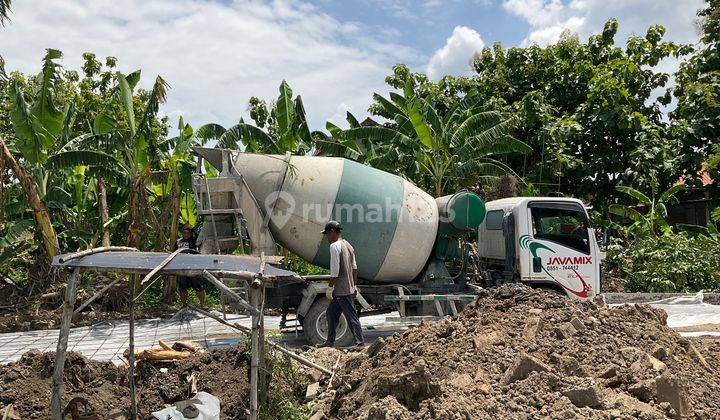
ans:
(223, 373)
(519, 352)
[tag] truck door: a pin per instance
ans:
(561, 250)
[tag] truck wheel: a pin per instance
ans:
(315, 326)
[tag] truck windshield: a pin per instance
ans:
(565, 226)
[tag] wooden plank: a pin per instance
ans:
(159, 267)
(60, 351)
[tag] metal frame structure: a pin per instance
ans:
(132, 262)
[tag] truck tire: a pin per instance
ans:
(315, 326)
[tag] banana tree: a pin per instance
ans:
(178, 166)
(459, 150)
(652, 221)
(37, 125)
(287, 127)
(133, 140)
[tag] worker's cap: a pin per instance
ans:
(332, 225)
(187, 226)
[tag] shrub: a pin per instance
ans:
(672, 262)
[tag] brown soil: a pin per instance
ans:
(525, 353)
(224, 373)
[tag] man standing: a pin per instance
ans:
(189, 240)
(343, 276)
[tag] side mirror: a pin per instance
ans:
(537, 265)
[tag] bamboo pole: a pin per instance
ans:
(220, 285)
(254, 352)
(66, 320)
(159, 267)
(240, 275)
(263, 380)
(80, 254)
(131, 347)
(245, 330)
(97, 295)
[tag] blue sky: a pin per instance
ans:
(217, 53)
(426, 25)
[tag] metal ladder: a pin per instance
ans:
(227, 198)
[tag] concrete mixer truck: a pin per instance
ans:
(418, 255)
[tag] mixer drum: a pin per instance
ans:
(391, 223)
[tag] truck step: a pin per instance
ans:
(442, 298)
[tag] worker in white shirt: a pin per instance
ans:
(343, 277)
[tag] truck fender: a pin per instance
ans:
(310, 293)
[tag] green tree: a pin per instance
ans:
(588, 109)
(652, 221)
(283, 128)
(439, 153)
(37, 125)
(696, 119)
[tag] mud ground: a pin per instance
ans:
(224, 373)
(525, 353)
(27, 310)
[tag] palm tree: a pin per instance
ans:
(5, 11)
(443, 154)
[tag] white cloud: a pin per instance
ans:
(454, 57)
(215, 55)
(549, 18)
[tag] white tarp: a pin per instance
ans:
(686, 311)
(689, 311)
(207, 405)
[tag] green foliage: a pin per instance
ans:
(652, 221)
(587, 110)
(671, 262)
(696, 119)
(283, 128)
(285, 374)
(442, 154)
(153, 297)
(294, 263)
(291, 409)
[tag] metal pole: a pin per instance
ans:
(66, 320)
(212, 214)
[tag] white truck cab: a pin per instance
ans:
(543, 241)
